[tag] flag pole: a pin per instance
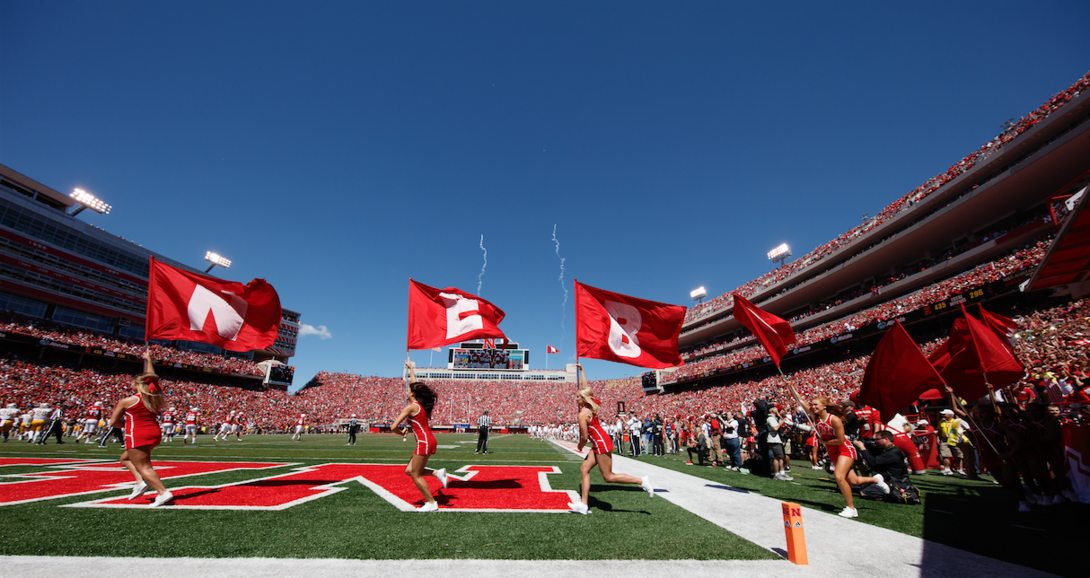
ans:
(575, 285)
(797, 398)
(957, 403)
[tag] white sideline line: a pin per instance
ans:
(37, 566)
(835, 546)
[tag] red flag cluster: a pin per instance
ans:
(898, 372)
(193, 307)
(974, 349)
(609, 325)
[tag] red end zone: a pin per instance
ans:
(75, 477)
(479, 489)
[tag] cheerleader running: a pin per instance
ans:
(842, 454)
(137, 413)
(421, 403)
(591, 432)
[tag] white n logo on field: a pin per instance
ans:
(462, 314)
(228, 310)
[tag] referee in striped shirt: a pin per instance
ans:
(484, 425)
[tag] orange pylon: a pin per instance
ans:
(792, 526)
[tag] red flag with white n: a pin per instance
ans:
(439, 317)
(194, 307)
(626, 329)
(551, 349)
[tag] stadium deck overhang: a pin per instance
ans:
(1067, 261)
(1020, 176)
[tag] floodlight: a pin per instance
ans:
(780, 253)
(88, 201)
(215, 259)
(698, 294)
(775, 253)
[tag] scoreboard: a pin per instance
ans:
(478, 356)
(280, 374)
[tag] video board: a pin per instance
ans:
(280, 374)
(508, 359)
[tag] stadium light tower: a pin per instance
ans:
(215, 259)
(698, 294)
(85, 200)
(780, 253)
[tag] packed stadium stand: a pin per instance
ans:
(970, 234)
(65, 284)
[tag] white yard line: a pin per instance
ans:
(835, 546)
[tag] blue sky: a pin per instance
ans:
(339, 148)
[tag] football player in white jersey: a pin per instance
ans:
(299, 427)
(236, 428)
(8, 415)
(167, 423)
(190, 425)
(37, 423)
(225, 428)
(24, 423)
(90, 422)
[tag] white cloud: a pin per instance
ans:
(320, 331)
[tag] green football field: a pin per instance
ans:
(358, 523)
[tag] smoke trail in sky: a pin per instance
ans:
(480, 278)
(564, 306)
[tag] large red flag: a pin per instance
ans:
(972, 351)
(194, 307)
(774, 333)
(439, 317)
(625, 329)
(1004, 327)
(897, 373)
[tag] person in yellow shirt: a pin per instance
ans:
(955, 448)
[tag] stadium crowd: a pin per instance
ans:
(905, 202)
(1022, 259)
(1051, 343)
(1052, 346)
(18, 323)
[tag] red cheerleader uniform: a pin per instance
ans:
(425, 441)
(825, 430)
(140, 427)
(599, 439)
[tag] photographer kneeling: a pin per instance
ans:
(889, 461)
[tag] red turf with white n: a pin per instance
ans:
(478, 489)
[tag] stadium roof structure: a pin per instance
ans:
(1020, 175)
(1067, 261)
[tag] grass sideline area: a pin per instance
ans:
(977, 516)
(357, 523)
